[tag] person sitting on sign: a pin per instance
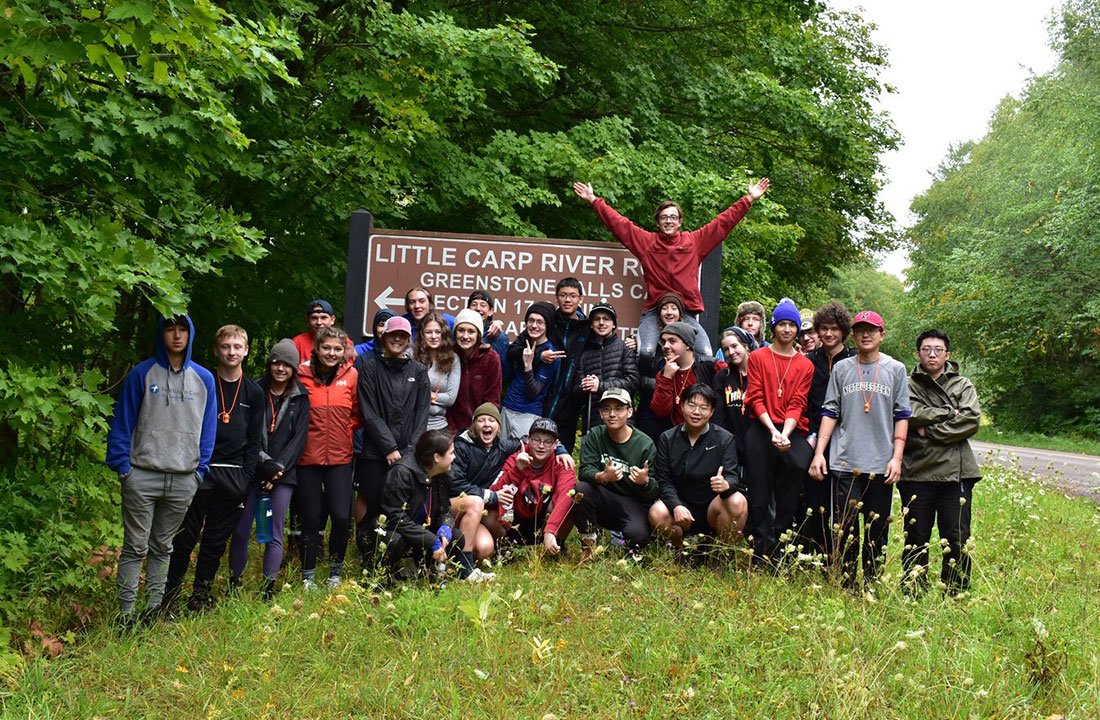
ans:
(526, 396)
(418, 303)
(670, 258)
(696, 471)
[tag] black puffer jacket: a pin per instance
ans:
(476, 466)
(614, 364)
(415, 505)
(285, 444)
(394, 397)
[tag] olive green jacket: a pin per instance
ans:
(947, 412)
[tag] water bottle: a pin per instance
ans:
(263, 519)
(507, 515)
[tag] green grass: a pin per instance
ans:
(613, 639)
(1063, 443)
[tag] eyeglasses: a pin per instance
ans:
(536, 321)
(697, 407)
(569, 296)
(865, 330)
(933, 351)
(541, 441)
(673, 218)
(614, 409)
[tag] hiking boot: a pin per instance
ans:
(201, 600)
(309, 585)
(267, 593)
(333, 582)
(234, 586)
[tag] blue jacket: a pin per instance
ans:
(164, 420)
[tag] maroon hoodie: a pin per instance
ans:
(480, 383)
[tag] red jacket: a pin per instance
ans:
(333, 416)
(672, 264)
(531, 502)
(480, 383)
(762, 395)
(305, 343)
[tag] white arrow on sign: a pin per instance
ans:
(385, 299)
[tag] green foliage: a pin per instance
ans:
(613, 638)
(162, 156)
(861, 286)
(56, 523)
(1004, 254)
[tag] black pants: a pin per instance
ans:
(605, 508)
(867, 496)
(397, 548)
(566, 415)
(815, 516)
(946, 504)
(213, 516)
(370, 477)
(322, 487)
(774, 483)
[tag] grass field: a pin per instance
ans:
(616, 639)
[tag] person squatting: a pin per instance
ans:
(439, 445)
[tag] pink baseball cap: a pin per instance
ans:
(869, 317)
(397, 324)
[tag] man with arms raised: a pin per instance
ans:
(670, 258)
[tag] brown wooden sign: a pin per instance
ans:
(384, 264)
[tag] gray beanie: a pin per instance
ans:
(681, 330)
(284, 351)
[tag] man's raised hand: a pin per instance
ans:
(640, 475)
(756, 190)
(584, 191)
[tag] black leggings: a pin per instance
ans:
(323, 487)
(370, 476)
(774, 482)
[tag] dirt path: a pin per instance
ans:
(1074, 473)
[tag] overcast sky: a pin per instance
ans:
(951, 62)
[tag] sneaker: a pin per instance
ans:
(478, 576)
(333, 582)
(588, 546)
(309, 585)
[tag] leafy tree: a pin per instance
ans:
(1004, 253)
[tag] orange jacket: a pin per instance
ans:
(333, 416)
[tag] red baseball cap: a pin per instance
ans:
(869, 317)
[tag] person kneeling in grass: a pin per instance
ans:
(696, 470)
(415, 504)
(540, 489)
(616, 487)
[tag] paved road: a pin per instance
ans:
(1072, 472)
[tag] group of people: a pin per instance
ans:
(439, 437)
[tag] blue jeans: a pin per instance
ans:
(648, 335)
